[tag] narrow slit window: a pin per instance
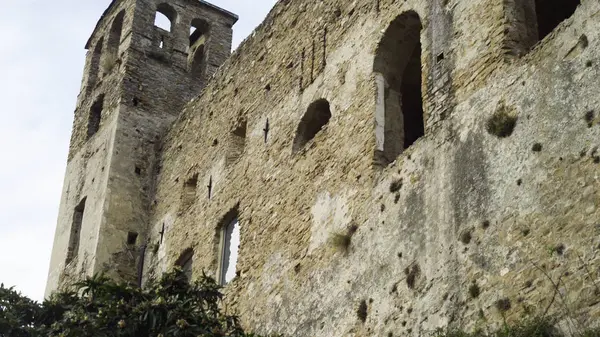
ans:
(230, 243)
(75, 234)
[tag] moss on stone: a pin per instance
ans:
(502, 123)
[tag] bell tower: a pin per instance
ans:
(137, 78)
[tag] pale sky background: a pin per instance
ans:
(41, 63)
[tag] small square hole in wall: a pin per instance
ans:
(138, 170)
(440, 57)
(132, 238)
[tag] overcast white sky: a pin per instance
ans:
(41, 64)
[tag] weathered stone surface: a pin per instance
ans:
(460, 207)
(144, 90)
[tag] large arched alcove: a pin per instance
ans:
(397, 68)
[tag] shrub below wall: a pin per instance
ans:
(99, 307)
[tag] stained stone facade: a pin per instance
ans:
(391, 167)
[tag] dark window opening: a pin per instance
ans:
(113, 43)
(237, 143)
(399, 115)
(185, 262)
(75, 235)
(165, 18)
(95, 116)
(132, 238)
(412, 102)
(440, 57)
(94, 67)
(550, 13)
(313, 121)
(189, 191)
(197, 66)
(198, 31)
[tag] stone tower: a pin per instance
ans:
(137, 79)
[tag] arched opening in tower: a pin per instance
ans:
(95, 116)
(397, 67)
(197, 51)
(94, 69)
(114, 37)
(165, 18)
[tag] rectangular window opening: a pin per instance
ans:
(237, 143)
(230, 243)
(95, 116)
(188, 197)
(132, 238)
(185, 262)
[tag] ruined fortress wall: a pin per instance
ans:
(515, 216)
(139, 85)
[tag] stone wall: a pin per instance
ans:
(464, 228)
(145, 86)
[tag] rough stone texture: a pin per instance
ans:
(457, 208)
(144, 90)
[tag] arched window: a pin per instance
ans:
(114, 38)
(95, 117)
(198, 29)
(94, 66)
(75, 235)
(197, 52)
(229, 247)
(550, 13)
(397, 67)
(185, 262)
(166, 17)
(315, 118)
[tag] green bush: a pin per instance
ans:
(100, 307)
